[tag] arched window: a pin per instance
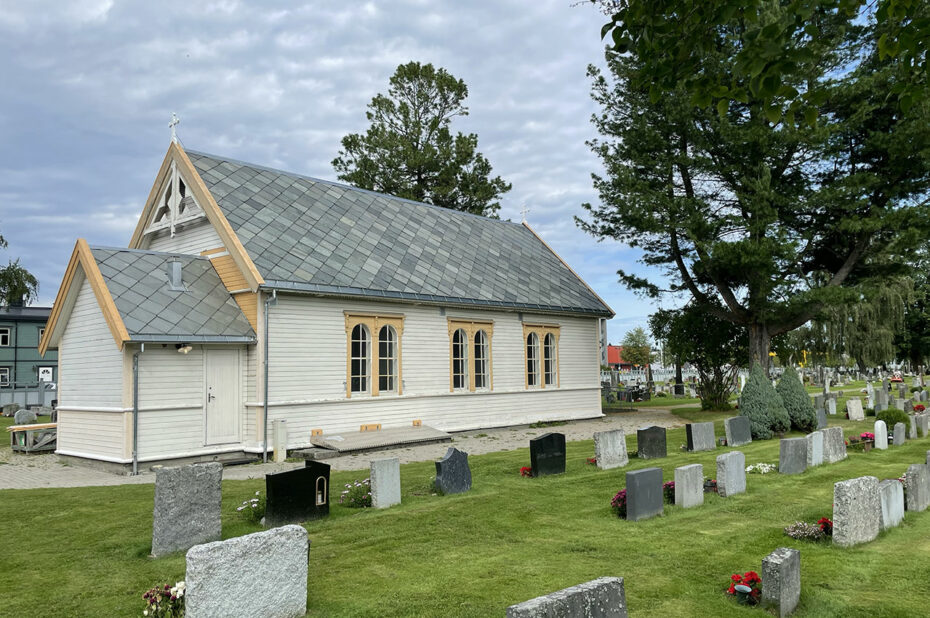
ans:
(387, 359)
(532, 360)
(360, 359)
(550, 359)
(481, 359)
(459, 360)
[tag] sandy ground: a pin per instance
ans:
(19, 471)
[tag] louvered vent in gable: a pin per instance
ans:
(176, 205)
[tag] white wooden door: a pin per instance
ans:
(221, 395)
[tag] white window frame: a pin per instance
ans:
(540, 333)
(361, 361)
(4, 376)
(532, 360)
(387, 360)
(550, 359)
(481, 361)
(460, 380)
(6, 333)
(373, 323)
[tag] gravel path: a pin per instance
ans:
(20, 471)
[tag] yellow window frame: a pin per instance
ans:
(541, 330)
(471, 327)
(373, 322)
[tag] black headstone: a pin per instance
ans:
(650, 442)
(547, 454)
(453, 476)
(644, 497)
(297, 495)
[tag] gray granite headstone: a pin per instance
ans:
(814, 448)
(928, 458)
(187, 507)
(834, 445)
(923, 396)
(821, 419)
(881, 400)
(644, 497)
(10, 409)
(385, 482)
(453, 476)
(600, 598)
(689, 485)
(892, 496)
(857, 511)
(917, 479)
(792, 456)
(900, 434)
(923, 424)
(261, 574)
(650, 442)
(881, 435)
(831, 406)
(610, 449)
(24, 417)
(781, 580)
(899, 404)
(908, 405)
(738, 430)
(819, 402)
(854, 410)
(700, 436)
(731, 474)
(912, 427)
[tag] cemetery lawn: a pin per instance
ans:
(84, 551)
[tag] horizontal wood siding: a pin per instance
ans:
(93, 433)
(90, 366)
(172, 382)
(248, 303)
(191, 238)
(308, 365)
(229, 272)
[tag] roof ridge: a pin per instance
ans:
(148, 252)
(347, 186)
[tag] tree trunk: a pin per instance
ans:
(759, 341)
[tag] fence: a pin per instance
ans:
(26, 395)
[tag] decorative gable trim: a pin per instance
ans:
(67, 294)
(178, 158)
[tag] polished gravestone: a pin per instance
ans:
(738, 430)
(650, 443)
(644, 498)
(700, 436)
(547, 454)
(453, 475)
(297, 495)
(792, 457)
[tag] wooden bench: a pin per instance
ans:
(34, 438)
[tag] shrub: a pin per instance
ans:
(797, 402)
(870, 411)
(763, 406)
(356, 495)
(892, 416)
(916, 389)
(661, 394)
(619, 503)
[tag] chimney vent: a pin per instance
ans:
(175, 278)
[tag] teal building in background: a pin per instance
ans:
(21, 366)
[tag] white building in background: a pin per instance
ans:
(369, 309)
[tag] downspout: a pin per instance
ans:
(135, 410)
(268, 303)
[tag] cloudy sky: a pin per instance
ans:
(89, 87)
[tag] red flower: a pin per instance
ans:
(737, 578)
(751, 577)
(526, 471)
(731, 589)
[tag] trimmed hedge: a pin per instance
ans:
(797, 402)
(892, 416)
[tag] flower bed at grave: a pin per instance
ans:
(526, 471)
(747, 588)
(356, 495)
(919, 407)
(862, 442)
(165, 601)
(761, 468)
(668, 491)
(803, 531)
(618, 503)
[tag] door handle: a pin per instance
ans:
(210, 397)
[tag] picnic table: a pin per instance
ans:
(34, 438)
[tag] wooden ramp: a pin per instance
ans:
(351, 441)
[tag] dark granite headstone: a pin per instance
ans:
(644, 497)
(453, 476)
(650, 442)
(821, 418)
(297, 495)
(547, 454)
(738, 430)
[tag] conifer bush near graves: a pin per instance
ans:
(763, 406)
(891, 416)
(797, 402)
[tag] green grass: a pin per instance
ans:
(84, 552)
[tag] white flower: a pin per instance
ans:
(145, 612)
(240, 508)
(258, 493)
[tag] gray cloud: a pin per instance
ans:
(90, 85)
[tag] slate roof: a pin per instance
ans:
(25, 314)
(319, 236)
(138, 282)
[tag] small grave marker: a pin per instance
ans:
(881, 435)
(644, 497)
(792, 458)
(297, 495)
(689, 485)
(899, 434)
(814, 448)
(834, 445)
(385, 482)
(854, 410)
(917, 478)
(453, 476)
(600, 598)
